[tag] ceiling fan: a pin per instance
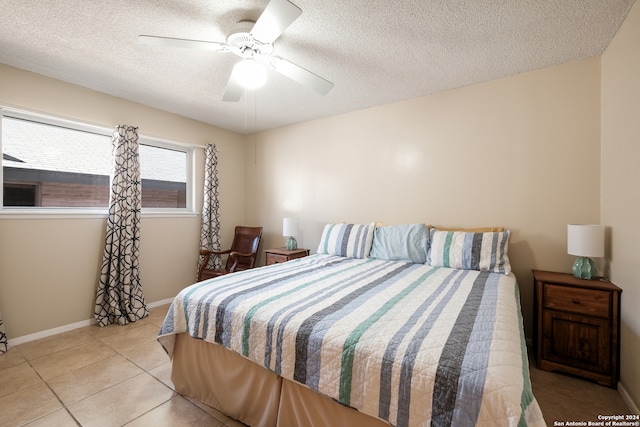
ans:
(253, 41)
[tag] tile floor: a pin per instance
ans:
(565, 398)
(112, 376)
(120, 376)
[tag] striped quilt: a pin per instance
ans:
(408, 343)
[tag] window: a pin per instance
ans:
(164, 177)
(53, 163)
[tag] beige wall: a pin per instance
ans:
(514, 152)
(49, 268)
(621, 185)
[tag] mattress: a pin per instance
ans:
(410, 344)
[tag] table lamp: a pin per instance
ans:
(290, 228)
(585, 241)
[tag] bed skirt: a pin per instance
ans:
(252, 394)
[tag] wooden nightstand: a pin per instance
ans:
(277, 255)
(577, 326)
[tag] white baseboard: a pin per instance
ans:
(55, 331)
(159, 303)
(49, 332)
(633, 407)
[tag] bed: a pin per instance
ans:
(412, 327)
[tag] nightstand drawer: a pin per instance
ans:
(276, 259)
(576, 300)
(278, 255)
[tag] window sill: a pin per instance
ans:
(84, 214)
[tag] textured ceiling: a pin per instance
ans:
(376, 52)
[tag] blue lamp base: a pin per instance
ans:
(292, 244)
(584, 268)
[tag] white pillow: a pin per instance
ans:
(347, 240)
(470, 251)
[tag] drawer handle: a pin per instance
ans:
(576, 301)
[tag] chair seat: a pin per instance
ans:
(209, 274)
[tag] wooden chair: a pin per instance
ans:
(242, 255)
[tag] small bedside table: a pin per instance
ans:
(278, 255)
(577, 326)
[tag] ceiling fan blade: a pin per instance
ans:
(298, 74)
(186, 43)
(234, 89)
(275, 18)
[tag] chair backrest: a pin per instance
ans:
(245, 241)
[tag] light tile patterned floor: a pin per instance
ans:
(565, 398)
(112, 376)
(120, 376)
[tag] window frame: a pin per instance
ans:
(23, 212)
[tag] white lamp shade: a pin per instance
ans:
(585, 240)
(250, 73)
(289, 227)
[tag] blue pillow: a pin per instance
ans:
(407, 242)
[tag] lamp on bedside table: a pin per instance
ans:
(585, 241)
(290, 228)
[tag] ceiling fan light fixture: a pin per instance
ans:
(250, 74)
(252, 40)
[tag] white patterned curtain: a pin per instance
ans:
(119, 297)
(3, 337)
(210, 230)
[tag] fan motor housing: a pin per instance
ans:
(241, 38)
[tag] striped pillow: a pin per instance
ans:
(347, 240)
(470, 251)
